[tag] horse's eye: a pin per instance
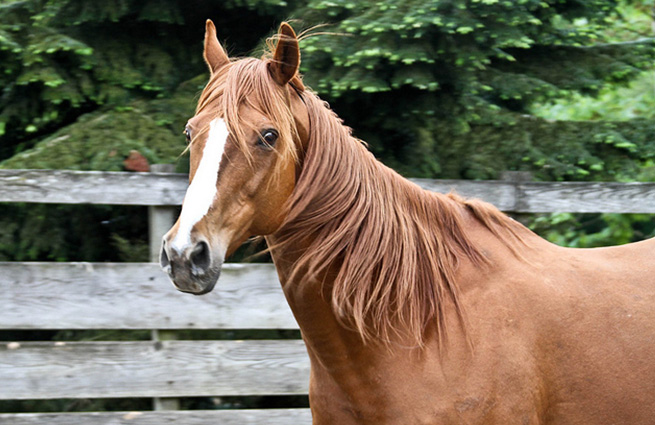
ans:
(268, 138)
(187, 134)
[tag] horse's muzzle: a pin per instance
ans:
(193, 270)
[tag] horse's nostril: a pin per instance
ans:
(164, 262)
(200, 259)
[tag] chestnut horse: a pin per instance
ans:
(415, 307)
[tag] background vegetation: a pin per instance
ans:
(456, 89)
(443, 89)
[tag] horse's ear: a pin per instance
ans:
(214, 54)
(286, 59)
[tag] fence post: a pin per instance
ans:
(516, 178)
(160, 219)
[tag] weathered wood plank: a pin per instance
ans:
(499, 193)
(546, 197)
(120, 188)
(92, 187)
(137, 296)
(188, 417)
(42, 370)
(586, 197)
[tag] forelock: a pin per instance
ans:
(246, 83)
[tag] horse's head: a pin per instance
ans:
(245, 141)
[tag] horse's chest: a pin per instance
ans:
(418, 395)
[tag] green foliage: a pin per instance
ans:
(61, 60)
(593, 230)
(84, 83)
(420, 79)
(637, 100)
(136, 250)
(629, 104)
(102, 140)
(561, 150)
(449, 88)
(66, 58)
(43, 232)
(461, 46)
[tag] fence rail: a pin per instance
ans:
(137, 296)
(45, 370)
(161, 189)
(39, 296)
(189, 417)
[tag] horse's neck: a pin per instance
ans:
(344, 368)
(310, 296)
(307, 297)
(338, 355)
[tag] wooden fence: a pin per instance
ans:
(38, 296)
(514, 194)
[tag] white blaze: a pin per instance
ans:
(202, 191)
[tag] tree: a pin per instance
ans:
(438, 88)
(617, 103)
(120, 62)
(84, 84)
(463, 89)
(444, 89)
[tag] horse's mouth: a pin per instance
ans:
(185, 280)
(193, 270)
(201, 291)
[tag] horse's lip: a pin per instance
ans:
(196, 285)
(203, 291)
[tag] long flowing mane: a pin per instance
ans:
(398, 246)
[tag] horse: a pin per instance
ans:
(415, 307)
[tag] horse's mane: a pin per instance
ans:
(397, 246)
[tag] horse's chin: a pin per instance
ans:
(198, 284)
